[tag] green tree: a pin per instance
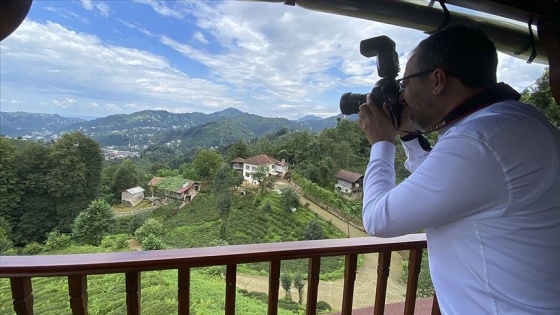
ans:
(289, 199)
(74, 176)
(222, 186)
(286, 282)
(240, 149)
(57, 240)
(10, 193)
(6, 243)
(151, 226)
(313, 231)
(125, 177)
(206, 163)
(299, 284)
(261, 176)
(37, 209)
(540, 95)
(92, 224)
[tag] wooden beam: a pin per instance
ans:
(231, 279)
(414, 264)
(313, 285)
(22, 294)
(383, 267)
(273, 287)
(184, 290)
(132, 293)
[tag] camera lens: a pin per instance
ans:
(350, 103)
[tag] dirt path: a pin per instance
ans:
(331, 291)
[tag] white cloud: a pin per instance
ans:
(198, 36)
(87, 4)
(103, 9)
(162, 8)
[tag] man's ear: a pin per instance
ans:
(439, 82)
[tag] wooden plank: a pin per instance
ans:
(184, 290)
(313, 285)
(22, 294)
(273, 287)
(77, 289)
(231, 278)
(414, 264)
(350, 266)
(383, 267)
(132, 293)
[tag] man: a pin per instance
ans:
(488, 194)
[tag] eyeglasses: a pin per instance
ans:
(414, 75)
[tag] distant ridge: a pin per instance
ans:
(309, 118)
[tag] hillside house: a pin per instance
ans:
(132, 196)
(349, 184)
(248, 166)
(176, 188)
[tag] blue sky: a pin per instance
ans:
(98, 58)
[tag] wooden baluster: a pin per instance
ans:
(231, 278)
(273, 286)
(383, 267)
(313, 285)
(77, 289)
(22, 294)
(133, 293)
(350, 266)
(184, 290)
(414, 264)
(435, 306)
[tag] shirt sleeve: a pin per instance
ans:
(460, 177)
(414, 153)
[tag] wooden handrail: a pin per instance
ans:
(20, 270)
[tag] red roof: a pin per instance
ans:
(154, 181)
(261, 160)
(349, 176)
(238, 160)
(185, 188)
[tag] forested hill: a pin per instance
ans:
(18, 124)
(143, 129)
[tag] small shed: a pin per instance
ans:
(132, 196)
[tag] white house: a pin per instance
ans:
(250, 165)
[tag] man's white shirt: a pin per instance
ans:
(488, 196)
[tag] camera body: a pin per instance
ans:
(387, 90)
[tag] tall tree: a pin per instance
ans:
(10, 193)
(222, 185)
(240, 149)
(92, 224)
(75, 175)
(289, 199)
(125, 177)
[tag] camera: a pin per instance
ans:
(385, 91)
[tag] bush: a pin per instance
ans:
(323, 306)
(57, 240)
(151, 226)
(152, 242)
(32, 248)
(137, 221)
(115, 241)
(313, 231)
(267, 207)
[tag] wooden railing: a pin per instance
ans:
(21, 269)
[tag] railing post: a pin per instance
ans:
(435, 306)
(313, 285)
(350, 266)
(77, 289)
(231, 279)
(184, 290)
(414, 264)
(133, 293)
(383, 267)
(22, 294)
(273, 286)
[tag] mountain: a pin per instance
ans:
(177, 132)
(19, 124)
(309, 118)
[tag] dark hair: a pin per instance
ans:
(464, 52)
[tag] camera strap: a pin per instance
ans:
(497, 93)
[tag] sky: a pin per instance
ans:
(99, 58)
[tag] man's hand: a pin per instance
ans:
(375, 123)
